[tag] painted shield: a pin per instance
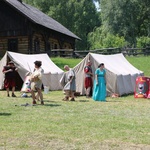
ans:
(142, 87)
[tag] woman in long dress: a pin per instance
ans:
(99, 91)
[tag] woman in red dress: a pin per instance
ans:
(10, 75)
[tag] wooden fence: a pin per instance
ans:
(104, 51)
(109, 51)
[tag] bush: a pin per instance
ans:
(143, 42)
(100, 39)
(113, 41)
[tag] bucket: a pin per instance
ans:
(46, 89)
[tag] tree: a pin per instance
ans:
(127, 18)
(100, 39)
(80, 17)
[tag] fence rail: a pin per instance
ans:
(109, 51)
(104, 51)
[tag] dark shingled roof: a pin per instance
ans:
(40, 18)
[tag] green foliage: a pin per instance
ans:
(100, 39)
(113, 41)
(143, 42)
(95, 39)
(117, 20)
(80, 17)
(127, 18)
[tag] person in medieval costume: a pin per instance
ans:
(88, 81)
(10, 75)
(99, 91)
(36, 82)
(70, 86)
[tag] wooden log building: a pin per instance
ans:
(25, 29)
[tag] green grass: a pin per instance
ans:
(60, 61)
(119, 124)
(80, 125)
(142, 63)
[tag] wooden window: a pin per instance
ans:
(55, 46)
(13, 45)
(36, 45)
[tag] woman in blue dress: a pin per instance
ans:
(99, 91)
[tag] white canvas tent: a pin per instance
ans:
(25, 64)
(120, 75)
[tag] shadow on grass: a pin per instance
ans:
(83, 100)
(33, 105)
(50, 101)
(5, 114)
(52, 105)
(114, 101)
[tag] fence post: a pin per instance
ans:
(147, 49)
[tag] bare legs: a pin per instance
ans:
(87, 91)
(40, 95)
(13, 90)
(72, 96)
(69, 94)
(7, 92)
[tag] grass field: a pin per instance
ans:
(119, 124)
(141, 63)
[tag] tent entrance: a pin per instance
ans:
(19, 82)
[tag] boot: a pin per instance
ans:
(66, 98)
(13, 95)
(42, 102)
(72, 99)
(34, 102)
